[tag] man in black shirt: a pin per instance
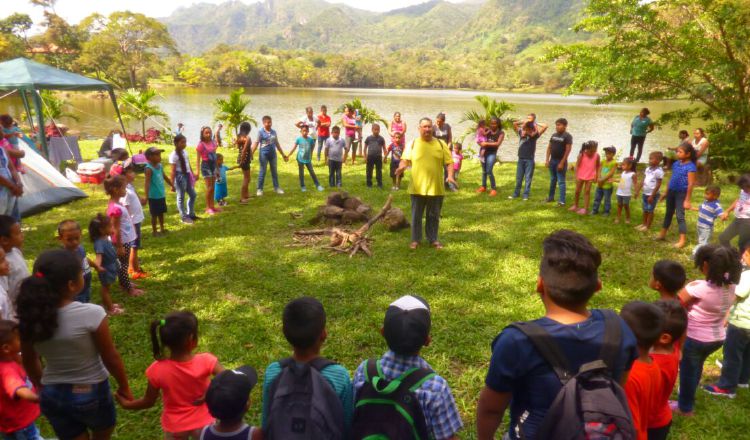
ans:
(557, 159)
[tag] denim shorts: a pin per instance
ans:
(208, 167)
(157, 207)
(623, 200)
(30, 432)
(394, 166)
(75, 409)
(649, 207)
(107, 278)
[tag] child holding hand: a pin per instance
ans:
(182, 378)
(650, 186)
(628, 180)
(220, 187)
(19, 403)
(604, 177)
(100, 228)
(586, 168)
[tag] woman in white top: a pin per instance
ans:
(701, 144)
(75, 342)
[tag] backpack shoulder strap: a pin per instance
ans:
(371, 370)
(546, 347)
(414, 378)
(612, 339)
(320, 363)
(284, 363)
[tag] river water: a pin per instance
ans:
(608, 124)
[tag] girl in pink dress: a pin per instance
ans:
(586, 166)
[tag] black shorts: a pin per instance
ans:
(394, 167)
(157, 206)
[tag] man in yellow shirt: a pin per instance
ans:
(428, 157)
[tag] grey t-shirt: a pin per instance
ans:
(374, 145)
(335, 149)
(71, 356)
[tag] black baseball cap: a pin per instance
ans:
(153, 150)
(406, 326)
(229, 391)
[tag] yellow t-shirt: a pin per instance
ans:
(428, 160)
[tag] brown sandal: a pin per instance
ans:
(437, 245)
(413, 245)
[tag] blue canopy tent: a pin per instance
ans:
(44, 186)
(28, 77)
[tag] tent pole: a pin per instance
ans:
(119, 118)
(41, 135)
(25, 100)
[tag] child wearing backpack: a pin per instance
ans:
(327, 412)
(228, 399)
(520, 375)
(432, 413)
(182, 378)
(668, 278)
(644, 385)
(707, 302)
(666, 355)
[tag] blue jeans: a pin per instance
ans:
(182, 186)
(28, 433)
(606, 195)
(267, 156)
(675, 202)
(694, 354)
(321, 143)
(524, 170)
(309, 167)
(557, 178)
(75, 409)
(736, 367)
(490, 158)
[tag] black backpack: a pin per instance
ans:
(389, 409)
(591, 404)
(303, 404)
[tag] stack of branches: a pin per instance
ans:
(343, 241)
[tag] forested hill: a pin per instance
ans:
(319, 26)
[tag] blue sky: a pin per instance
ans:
(74, 10)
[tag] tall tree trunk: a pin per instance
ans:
(133, 83)
(143, 127)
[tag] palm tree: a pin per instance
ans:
(53, 107)
(136, 105)
(491, 109)
(368, 115)
(232, 110)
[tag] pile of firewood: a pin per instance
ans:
(340, 209)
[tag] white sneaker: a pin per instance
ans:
(303, 189)
(511, 197)
(259, 192)
(320, 188)
(279, 190)
(743, 385)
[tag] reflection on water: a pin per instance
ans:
(608, 124)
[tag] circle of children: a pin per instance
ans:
(57, 354)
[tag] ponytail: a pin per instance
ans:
(173, 332)
(724, 267)
(41, 293)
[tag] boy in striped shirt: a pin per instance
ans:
(708, 212)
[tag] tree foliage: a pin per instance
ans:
(491, 108)
(138, 105)
(694, 49)
(232, 110)
(54, 108)
(13, 35)
(367, 115)
(125, 47)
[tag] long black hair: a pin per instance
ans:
(42, 292)
(180, 153)
(245, 128)
(174, 332)
(690, 151)
(724, 267)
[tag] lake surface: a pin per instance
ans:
(607, 124)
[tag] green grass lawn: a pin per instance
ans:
(236, 272)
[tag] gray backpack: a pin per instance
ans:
(303, 404)
(590, 404)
